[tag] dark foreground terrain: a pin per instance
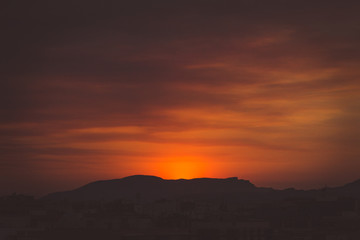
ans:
(151, 208)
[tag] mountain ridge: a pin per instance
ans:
(152, 187)
(148, 188)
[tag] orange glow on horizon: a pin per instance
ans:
(182, 167)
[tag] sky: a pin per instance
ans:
(267, 91)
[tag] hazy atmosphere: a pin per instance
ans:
(267, 91)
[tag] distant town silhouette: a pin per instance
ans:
(147, 207)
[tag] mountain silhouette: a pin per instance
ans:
(351, 189)
(149, 188)
(143, 187)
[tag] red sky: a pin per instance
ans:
(263, 90)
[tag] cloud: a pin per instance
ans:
(124, 80)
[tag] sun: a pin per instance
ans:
(182, 167)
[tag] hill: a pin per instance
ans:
(142, 187)
(148, 188)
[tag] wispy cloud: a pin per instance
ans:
(254, 90)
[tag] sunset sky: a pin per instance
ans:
(267, 91)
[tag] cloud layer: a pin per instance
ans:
(262, 90)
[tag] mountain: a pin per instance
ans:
(144, 187)
(149, 188)
(350, 190)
